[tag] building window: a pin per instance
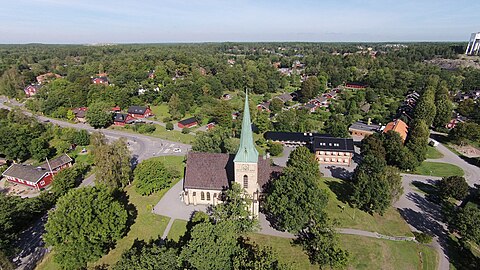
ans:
(245, 181)
(194, 194)
(214, 195)
(202, 196)
(208, 196)
(42, 182)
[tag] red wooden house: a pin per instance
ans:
(100, 80)
(139, 111)
(37, 177)
(187, 123)
(121, 119)
(355, 85)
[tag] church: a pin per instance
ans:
(207, 175)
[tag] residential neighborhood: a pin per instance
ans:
(206, 136)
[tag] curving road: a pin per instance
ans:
(30, 242)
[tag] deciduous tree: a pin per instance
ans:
(85, 224)
(112, 161)
(294, 198)
(98, 115)
(152, 175)
(453, 186)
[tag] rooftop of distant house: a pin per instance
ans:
(398, 126)
(188, 121)
(359, 125)
(137, 109)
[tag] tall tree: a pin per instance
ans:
(294, 198)
(113, 167)
(417, 140)
(444, 106)
(174, 107)
(371, 190)
(321, 245)
(98, 115)
(425, 109)
(310, 88)
(83, 234)
(453, 186)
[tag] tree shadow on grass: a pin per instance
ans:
(461, 256)
(132, 211)
(342, 190)
(424, 187)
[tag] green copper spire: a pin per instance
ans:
(247, 151)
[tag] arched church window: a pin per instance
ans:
(202, 196)
(245, 181)
(208, 196)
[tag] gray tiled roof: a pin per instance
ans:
(137, 109)
(364, 126)
(25, 172)
(57, 162)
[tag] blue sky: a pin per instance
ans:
(139, 21)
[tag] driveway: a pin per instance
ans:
(422, 214)
(472, 172)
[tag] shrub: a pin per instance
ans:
(146, 128)
(169, 126)
(275, 149)
(167, 119)
(423, 238)
(185, 130)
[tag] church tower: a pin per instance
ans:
(246, 160)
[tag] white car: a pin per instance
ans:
(177, 150)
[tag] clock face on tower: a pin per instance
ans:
(245, 167)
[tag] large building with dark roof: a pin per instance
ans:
(207, 175)
(327, 149)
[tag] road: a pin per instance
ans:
(142, 147)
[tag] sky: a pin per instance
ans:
(164, 21)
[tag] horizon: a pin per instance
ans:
(215, 21)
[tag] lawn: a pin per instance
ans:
(439, 169)
(86, 158)
(179, 227)
(162, 133)
(160, 111)
(433, 153)
(365, 253)
(391, 223)
(147, 225)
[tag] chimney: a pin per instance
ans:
(369, 122)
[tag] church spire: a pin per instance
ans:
(246, 152)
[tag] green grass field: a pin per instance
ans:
(179, 227)
(160, 111)
(391, 223)
(439, 169)
(433, 153)
(147, 225)
(365, 253)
